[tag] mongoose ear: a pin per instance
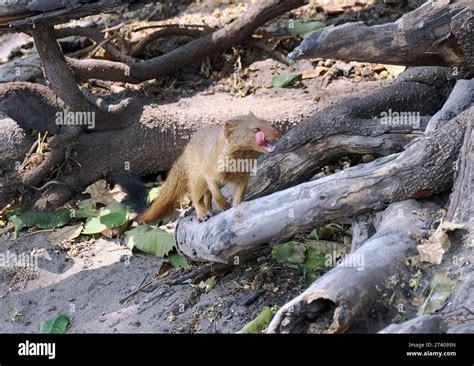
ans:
(229, 127)
(251, 114)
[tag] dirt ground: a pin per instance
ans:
(88, 287)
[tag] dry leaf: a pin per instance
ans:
(65, 234)
(107, 233)
(100, 193)
(438, 243)
(395, 70)
(441, 287)
(451, 226)
(431, 252)
(318, 71)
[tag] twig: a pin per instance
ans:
(138, 289)
(100, 44)
(183, 26)
(29, 234)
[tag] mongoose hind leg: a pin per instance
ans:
(239, 193)
(197, 191)
(217, 194)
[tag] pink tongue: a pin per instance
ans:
(260, 137)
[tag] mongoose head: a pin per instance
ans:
(249, 132)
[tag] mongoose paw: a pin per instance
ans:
(204, 217)
(224, 205)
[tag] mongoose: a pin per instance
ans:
(210, 160)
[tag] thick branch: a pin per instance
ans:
(218, 41)
(350, 291)
(433, 34)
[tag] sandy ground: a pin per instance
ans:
(89, 286)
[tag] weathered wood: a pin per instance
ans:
(349, 291)
(460, 98)
(215, 42)
(458, 313)
(22, 15)
(437, 33)
(426, 167)
(421, 324)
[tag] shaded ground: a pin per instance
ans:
(89, 285)
(88, 288)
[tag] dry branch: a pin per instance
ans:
(230, 35)
(349, 291)
(436, 33)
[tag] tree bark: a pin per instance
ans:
(426, 324)
(433, 34)
(458, 313)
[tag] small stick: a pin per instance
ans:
(138, 289)
(29, 234)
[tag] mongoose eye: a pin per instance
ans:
(256, 130)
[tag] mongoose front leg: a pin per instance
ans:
(208, 201)
(239, 193)
(216, 193)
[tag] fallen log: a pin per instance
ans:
(22, 15)
(437, 33)
(349, 291)
(421, 324)
(423, 169)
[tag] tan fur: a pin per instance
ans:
(196, 172)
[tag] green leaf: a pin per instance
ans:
(114, 215)
(57, 325)
(315, 259)
(86, 210)
(178, 261)
(259, 323)
(303, 29)
(93, 226)
(314, 235)
(152, 194)
(285, 80)
(308, 275)
(290, 254)
(150, 240)
(41, 220)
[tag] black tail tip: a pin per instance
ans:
(135, 190)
